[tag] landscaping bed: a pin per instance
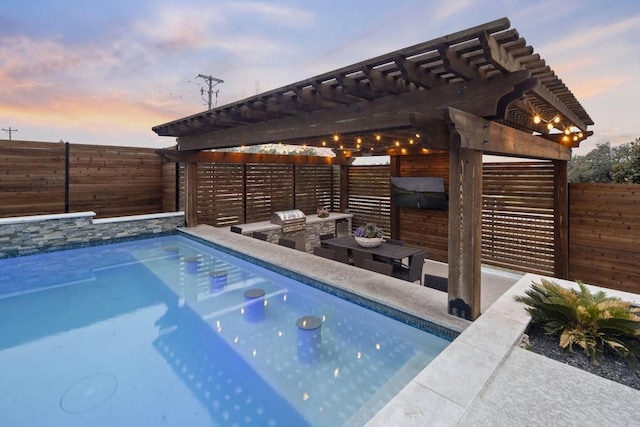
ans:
(612, 367)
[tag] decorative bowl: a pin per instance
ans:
(367, 242)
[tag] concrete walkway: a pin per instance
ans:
(483, 379)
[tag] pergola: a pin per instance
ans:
(477, 91)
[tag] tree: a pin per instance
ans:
(605, 164)
(595, 166)
(627, 171)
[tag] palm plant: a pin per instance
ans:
(592, 321)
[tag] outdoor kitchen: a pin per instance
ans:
(305, 230)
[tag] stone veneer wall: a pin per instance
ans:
(310, 235)
(42, 233)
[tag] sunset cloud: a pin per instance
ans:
(118, 68)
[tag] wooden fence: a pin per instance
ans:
(517, 220)
(45, 178)
(238, 193)
(604, 235)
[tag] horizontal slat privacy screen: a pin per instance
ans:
(518, 216)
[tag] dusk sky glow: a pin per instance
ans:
(106, 72)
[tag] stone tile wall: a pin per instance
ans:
(44, 233)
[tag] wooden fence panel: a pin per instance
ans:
(604, 235)
(336, 189)
(220, 194)
(169, 187)
(236, 193)
(425, 227)
(114, 181)
(518, 216)
(370, 196)
(313, 187)
(269, 188)
(32, 178)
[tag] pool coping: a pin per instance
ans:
(451, 386)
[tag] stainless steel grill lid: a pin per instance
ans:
(291, 220)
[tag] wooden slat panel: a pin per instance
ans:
(369, 196)
(220, 194)
(114, 181)
(31, 178)
(169, 187)
(269, 188)
(604, 231)
(423, 227)
(517, 219)
(313, 188)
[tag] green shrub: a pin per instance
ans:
(592, 321)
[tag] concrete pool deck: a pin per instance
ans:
(482, 377)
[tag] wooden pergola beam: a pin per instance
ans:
(494, 138)
(481, 97)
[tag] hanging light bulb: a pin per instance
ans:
(549, 126)
(378, 137)
(336, 138)
(537, 119)
(567, 131)
(556, 119)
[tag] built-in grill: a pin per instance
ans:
(291, 220)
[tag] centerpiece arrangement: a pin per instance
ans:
(323, 212)
(368, 236)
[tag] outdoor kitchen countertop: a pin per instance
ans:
(268, 225)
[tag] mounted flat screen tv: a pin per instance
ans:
(419, 192)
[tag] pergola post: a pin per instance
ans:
(190, 189)
(561, 219)
(344, 188)
(394, 170)
(465, 229)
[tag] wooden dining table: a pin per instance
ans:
(385, 250)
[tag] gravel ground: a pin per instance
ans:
(613, 367)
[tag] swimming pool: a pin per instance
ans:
(141, 333)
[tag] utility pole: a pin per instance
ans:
(211, 83)
(10, 131)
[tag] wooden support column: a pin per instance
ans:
(394, 170)
(190, 189)
(344, 188)
(465, 228)
(561, 219)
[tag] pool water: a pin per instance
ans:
(141, 333)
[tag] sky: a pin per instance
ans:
(106, 72)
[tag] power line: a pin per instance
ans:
(10, 131)
(211, 83)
